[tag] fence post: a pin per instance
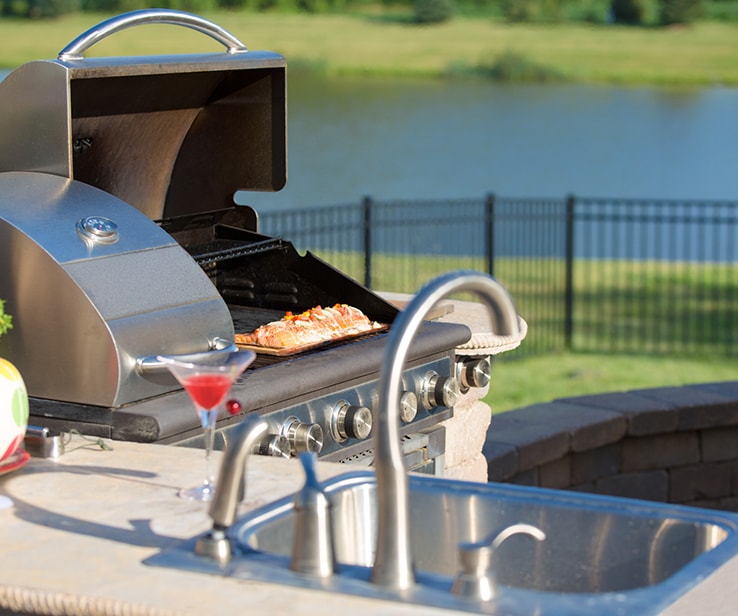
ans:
(367, 207)
(489, 227)
(569, 288)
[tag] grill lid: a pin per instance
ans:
(169, 135)
(88, 311)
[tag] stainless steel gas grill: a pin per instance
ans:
(120, 240)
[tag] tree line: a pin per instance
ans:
(643, 13)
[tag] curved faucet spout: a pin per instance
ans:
(393, 565)
(229, 488)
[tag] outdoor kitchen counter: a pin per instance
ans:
(78, 529)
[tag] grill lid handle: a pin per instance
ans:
(152, 365)
(75, 49)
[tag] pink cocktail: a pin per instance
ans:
(207, 390)
(207, 382)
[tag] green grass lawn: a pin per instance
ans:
(706, 53)
(617, 300)
(521, 382)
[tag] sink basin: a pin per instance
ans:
(601, 554)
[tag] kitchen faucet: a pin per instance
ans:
(393, 564)
(230, 488)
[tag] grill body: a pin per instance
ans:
(120, 240)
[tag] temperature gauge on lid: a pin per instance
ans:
(98, 230)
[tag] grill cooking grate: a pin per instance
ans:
(219, 250)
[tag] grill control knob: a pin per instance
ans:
(473, 372)
(349, 421)
(408, 406)
(438, 390)
(302, 436)
(274, 445)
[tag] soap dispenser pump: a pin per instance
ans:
(312, 549)
(476, 579)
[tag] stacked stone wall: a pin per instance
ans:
(668, 444)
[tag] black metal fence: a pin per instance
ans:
(602, 275)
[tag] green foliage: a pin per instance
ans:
(37, 9)
(533, 11)
(629, 12)
(6, 321)
(635, 12)
(513, 67)
(433, 11)
(721, 11)
(588, 11)
(680, 11)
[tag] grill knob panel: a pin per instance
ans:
(350, 421)
(408, 406)
(302, 436)
(437, 390)
(473, 372)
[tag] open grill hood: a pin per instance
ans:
(168, 135)
(92, 153)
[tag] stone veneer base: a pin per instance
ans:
(668, 444)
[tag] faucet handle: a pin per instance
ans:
(476, 578)
(312, 548)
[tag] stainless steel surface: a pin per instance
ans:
(439, 390)
(473, 372)
(408, 406)
(329, 390)
(117, 180)
(40, 442)
(91, 311)
(393, 565)
(602, 555)
(169, 134)
(312, 548)
(476, 578)
(230, 488)
(273, 445)
(76, 49)
(350, 421)
(154, 365)
(303, 436)
(92, 152)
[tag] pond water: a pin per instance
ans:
(427, 139)
(410, 140)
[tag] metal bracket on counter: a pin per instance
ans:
(43, 443)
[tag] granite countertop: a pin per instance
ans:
(76, 530)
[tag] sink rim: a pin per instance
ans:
(726, 520)
(256, 564)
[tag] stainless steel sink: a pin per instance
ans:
(601, 554)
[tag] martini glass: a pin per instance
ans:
(207, 380)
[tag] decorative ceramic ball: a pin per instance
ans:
(13, 409)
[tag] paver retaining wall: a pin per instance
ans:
(668, 444)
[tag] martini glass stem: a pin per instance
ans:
(208, 423)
